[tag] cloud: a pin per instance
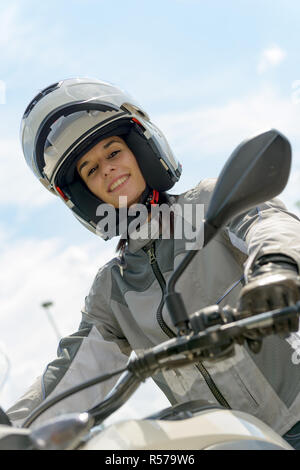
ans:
(34, 271)
(30, 39)
(15, 34)
(213, 131)
(8, 22)
(18, 186)
(202, 136)
(291, 194)
(270, 57)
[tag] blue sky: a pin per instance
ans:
(209, 74)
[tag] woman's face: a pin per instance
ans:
(110, 170)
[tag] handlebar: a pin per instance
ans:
(203, 342)
(122, 391)
(214, 343)
(212, 335)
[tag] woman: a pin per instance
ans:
(89, 143)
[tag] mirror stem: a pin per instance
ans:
(173, 299)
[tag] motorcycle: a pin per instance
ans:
(257, 171)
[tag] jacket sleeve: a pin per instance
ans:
(266, 229)
(98, 347)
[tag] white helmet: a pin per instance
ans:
(68, 118)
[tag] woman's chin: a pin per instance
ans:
(126, 200)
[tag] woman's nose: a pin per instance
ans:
(107, 168)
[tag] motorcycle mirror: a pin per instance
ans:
(256, 171)
(62, 433)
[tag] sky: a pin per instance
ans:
(209, 74)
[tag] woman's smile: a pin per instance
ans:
(118, 183)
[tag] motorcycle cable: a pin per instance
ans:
(71, 391)
(140, 372)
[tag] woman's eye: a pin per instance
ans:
(91, 171)
(94, 168)
(113, 154)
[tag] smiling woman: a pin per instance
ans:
(110, 170)
(66, 123)
(90, 144)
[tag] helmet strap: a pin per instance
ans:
(149, 197)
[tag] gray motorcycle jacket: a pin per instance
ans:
(124, 312)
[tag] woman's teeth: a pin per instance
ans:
(118, 182)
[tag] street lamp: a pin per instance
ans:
(46, 306)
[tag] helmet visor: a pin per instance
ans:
(66, 133)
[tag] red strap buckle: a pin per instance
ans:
(155, 197)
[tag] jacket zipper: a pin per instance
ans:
(161, 280)
(202, 369)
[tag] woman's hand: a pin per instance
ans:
(273, 284)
